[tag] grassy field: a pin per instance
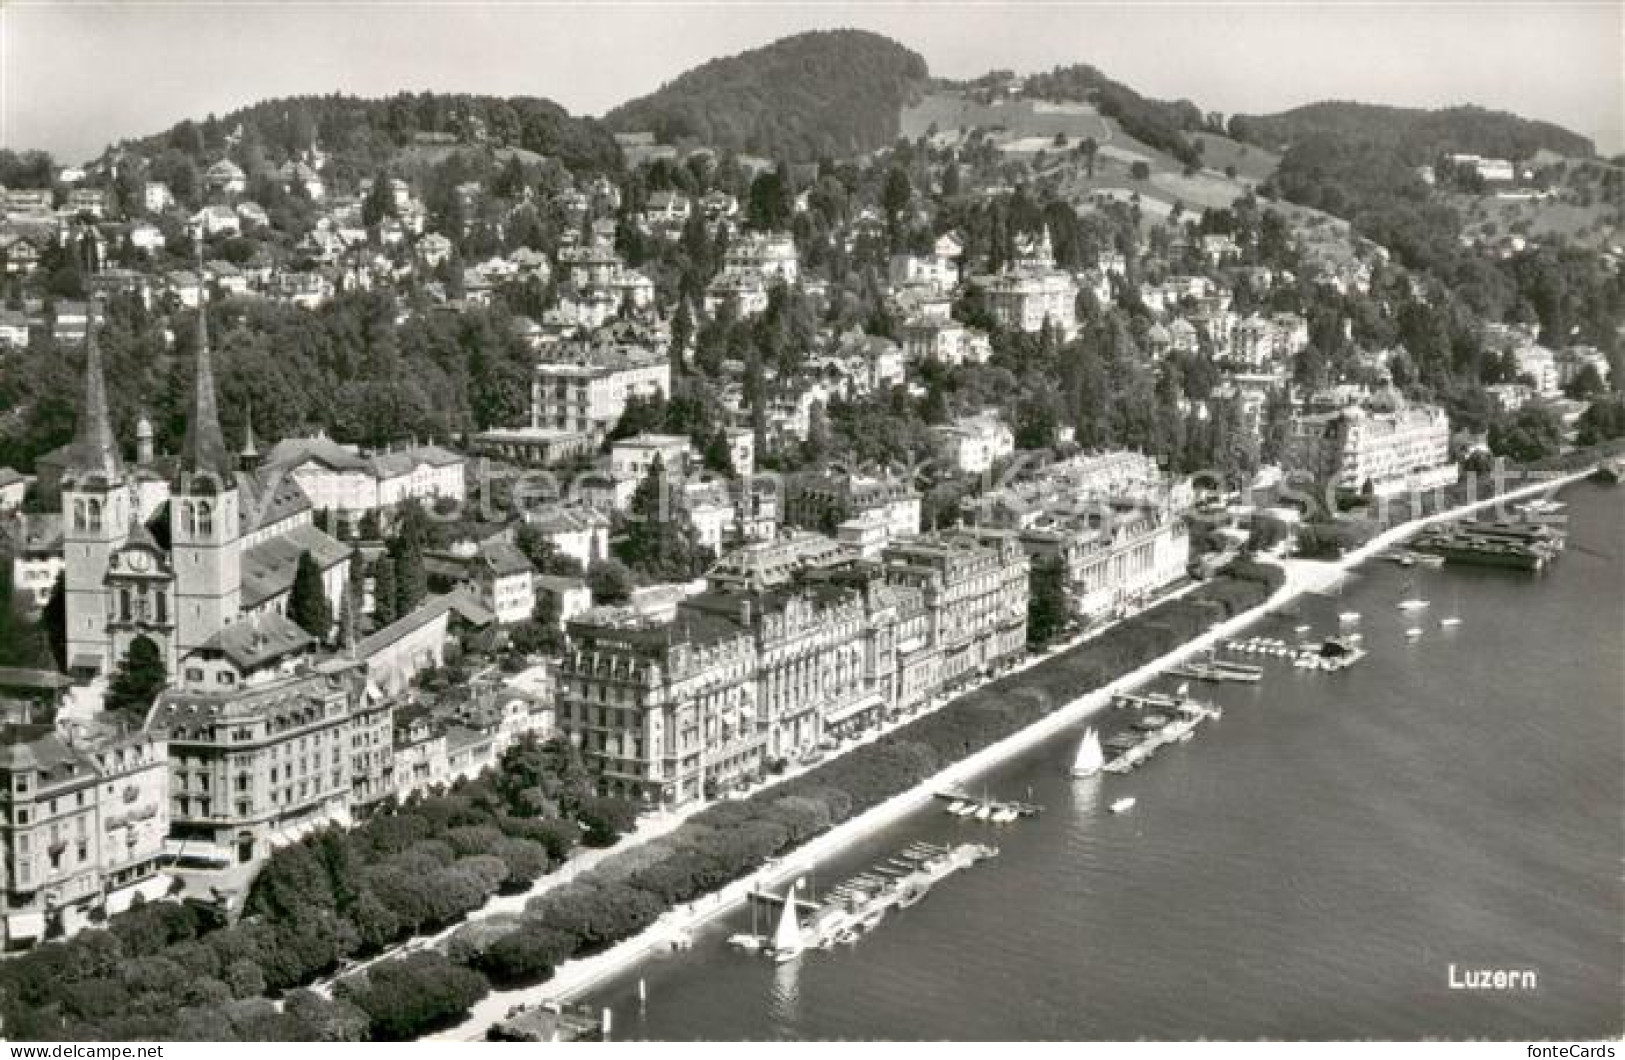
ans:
(1253, 164)
(1598, 225)
(949, 111)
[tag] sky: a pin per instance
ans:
(76, 76)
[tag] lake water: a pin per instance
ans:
(1308, 867)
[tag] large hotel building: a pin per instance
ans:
(1356, 449)
(672, 709)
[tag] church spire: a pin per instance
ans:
(204, 450)
(95, 450)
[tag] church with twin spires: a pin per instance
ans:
(177, 550)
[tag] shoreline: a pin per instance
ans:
(576, 976)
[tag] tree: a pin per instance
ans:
(22, 641)
(308, 605)
(384, 590)
(1049, 610)
(407, 996)
(1530, 434)
(138, 679)
(656, 544)
(682, 329)
(411, 578)
(1587, 383)
(380, 201)
(610, 582)
(1089, 148)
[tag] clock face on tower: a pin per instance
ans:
(139, 562)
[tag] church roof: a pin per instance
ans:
(94, 456)
(268, 496)
(203, 452)
(269, 567)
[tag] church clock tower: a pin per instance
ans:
(97, 506)
(204, 517)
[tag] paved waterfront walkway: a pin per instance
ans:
(577, 976)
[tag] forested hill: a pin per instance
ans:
(1417, 136)
(830, 93)
(362, 135)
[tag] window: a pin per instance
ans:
(205, 517)
(79, 522)
(161, 609)
(95, 514)
(124, 605)
(194, 673)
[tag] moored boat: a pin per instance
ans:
(1123, 805)
(1090, 758)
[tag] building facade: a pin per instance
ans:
(586, 388)
(1383, 452)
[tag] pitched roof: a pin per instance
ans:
(504, 559)
(268, 496)
(94, 456)
(291, 452)
(258, 639)
(269, 567)
(203, 452)
(402, 461)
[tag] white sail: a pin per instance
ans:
(1090, 760)
(787, 940)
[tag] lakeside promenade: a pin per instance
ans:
(575, 977)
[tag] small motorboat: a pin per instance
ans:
(1413, 633)
(1450, 620)
(1123, 805)
(957, 806)
(1349, 617)
(748, 943)
(984, 812)
(1004, 815)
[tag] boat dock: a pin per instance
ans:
(1192, 714)
(1149, 701)
(971, 805)
(856, 905)
(1220, 670)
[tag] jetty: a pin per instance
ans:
(1220, 670)
(855, 906)
(994, 806)
(1192, 714)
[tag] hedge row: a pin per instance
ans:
(729, 840)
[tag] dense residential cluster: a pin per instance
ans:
(385, 460)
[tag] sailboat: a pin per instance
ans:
(788, 940)
(1090, 759)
